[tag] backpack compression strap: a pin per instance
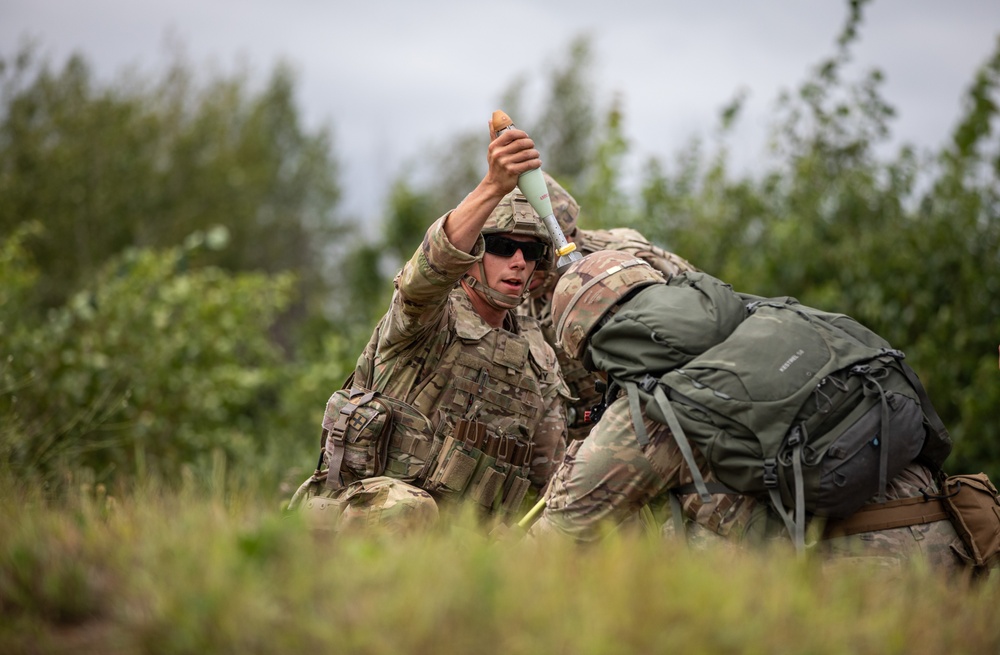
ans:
(935, 422)
(797, 438)
(676, 431)
(797, 527)
(883, 462)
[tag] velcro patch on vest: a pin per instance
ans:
(512, 353)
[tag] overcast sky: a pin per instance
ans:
(389, 75)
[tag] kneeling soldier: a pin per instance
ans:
(480, 388)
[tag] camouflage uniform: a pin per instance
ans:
(937, 542)
(581, 382)
(435, 352)
(609, 476)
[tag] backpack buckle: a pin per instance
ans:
(770, 472)
(648, 383)
(861, 369)
(795, 436)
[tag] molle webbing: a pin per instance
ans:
(414, 445)
(884, 516)
(333, 437)
(518, 403)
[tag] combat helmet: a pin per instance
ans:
(589, 289)
(513, 215)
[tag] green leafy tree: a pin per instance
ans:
(603, 201)
(567, 128)
(371, 265)
(134, 163)
(953, 289)
(150, 369)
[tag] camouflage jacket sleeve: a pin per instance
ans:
(666, 262)
(420, 300)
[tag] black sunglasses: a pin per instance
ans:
(501, 246)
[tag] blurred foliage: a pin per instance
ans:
(152, 368)
(154, 572)
(144, 162)
(179, 295)
(169, 265)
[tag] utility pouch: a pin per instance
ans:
(974, 506)
(517, 483)
(361, 427)
(488, 480)
(457, 460)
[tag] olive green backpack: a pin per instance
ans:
(805, 409)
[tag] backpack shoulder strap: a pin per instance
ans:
(632, 392)
(660, 397)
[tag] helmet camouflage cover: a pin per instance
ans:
(514, 215)
(590, 288)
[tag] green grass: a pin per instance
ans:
(155, 571)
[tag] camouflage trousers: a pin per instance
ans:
(382, 503)
(937, 543)
(607, 478)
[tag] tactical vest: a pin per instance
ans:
(480, 388)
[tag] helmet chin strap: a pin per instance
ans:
(493, 297)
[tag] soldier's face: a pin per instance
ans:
(508, 275)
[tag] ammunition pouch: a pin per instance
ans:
(320, 507)
(490, 469)
(380, 502)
